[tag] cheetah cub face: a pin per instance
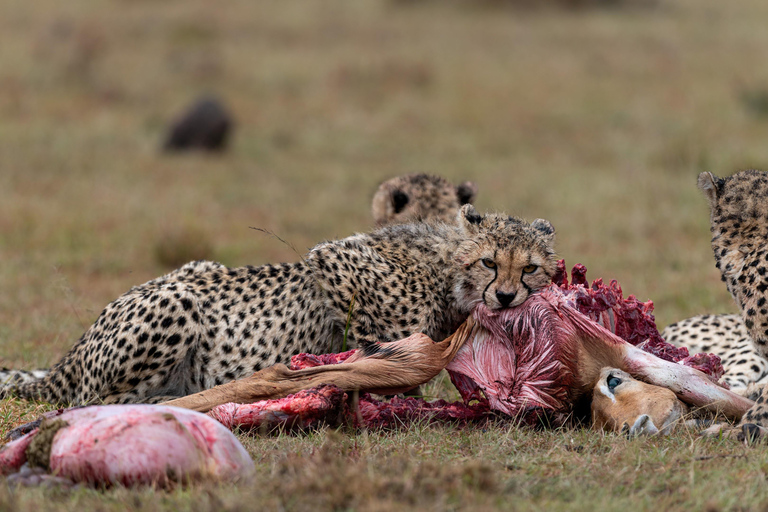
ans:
(504, 259)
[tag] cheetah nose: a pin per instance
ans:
(505, 299)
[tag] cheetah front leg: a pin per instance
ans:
(753, 425)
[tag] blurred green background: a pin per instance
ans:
(596, 117)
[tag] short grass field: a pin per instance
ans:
(598, 118)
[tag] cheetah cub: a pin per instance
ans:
(420, 197)
(205, 324)
(399, 200)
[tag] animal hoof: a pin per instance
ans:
(643, 426)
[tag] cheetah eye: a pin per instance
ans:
(530, 269)
(489, 263)
(612, 382)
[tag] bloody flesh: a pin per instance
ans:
(132, 445)
(329, 405)
(627, 318)
(548, 351)
(523, 361)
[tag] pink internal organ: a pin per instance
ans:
(137, 444)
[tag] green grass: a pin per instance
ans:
(444, 468)
(598, 120)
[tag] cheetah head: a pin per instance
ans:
(739, 225)
(420, 197)
(503, 259)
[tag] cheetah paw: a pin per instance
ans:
(747, 433)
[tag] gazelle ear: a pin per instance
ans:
(466, 192)
(711, 185)
(544, 227)
(469, 218)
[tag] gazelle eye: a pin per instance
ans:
(612, 382)
(489, 263)
(529, 269)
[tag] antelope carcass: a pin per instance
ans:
(541, 356)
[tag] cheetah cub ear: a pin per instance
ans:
(711, 185)
(466, 192)
(545, 228)
(469, 223)
(469, 218)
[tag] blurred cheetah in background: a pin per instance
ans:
(420, 197)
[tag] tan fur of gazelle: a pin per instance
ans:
(620, 402)
(399, 366)
(594, 348)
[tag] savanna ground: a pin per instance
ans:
(598, 119)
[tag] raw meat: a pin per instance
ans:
(628, 318)
(130, 445)
(534, 360)
(548, 352)
(329, 405)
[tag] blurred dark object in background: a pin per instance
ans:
(755, 101)
(205, 125)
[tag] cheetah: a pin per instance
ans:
(739, 225)
(727, 337)
(205, 324)
(724, 335)
(420, 197)
(399, 200)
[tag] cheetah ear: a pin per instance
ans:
(399, 200)
(469, 218)
(711, 185)
(544, 227)
(387, 202)
(466, 192)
